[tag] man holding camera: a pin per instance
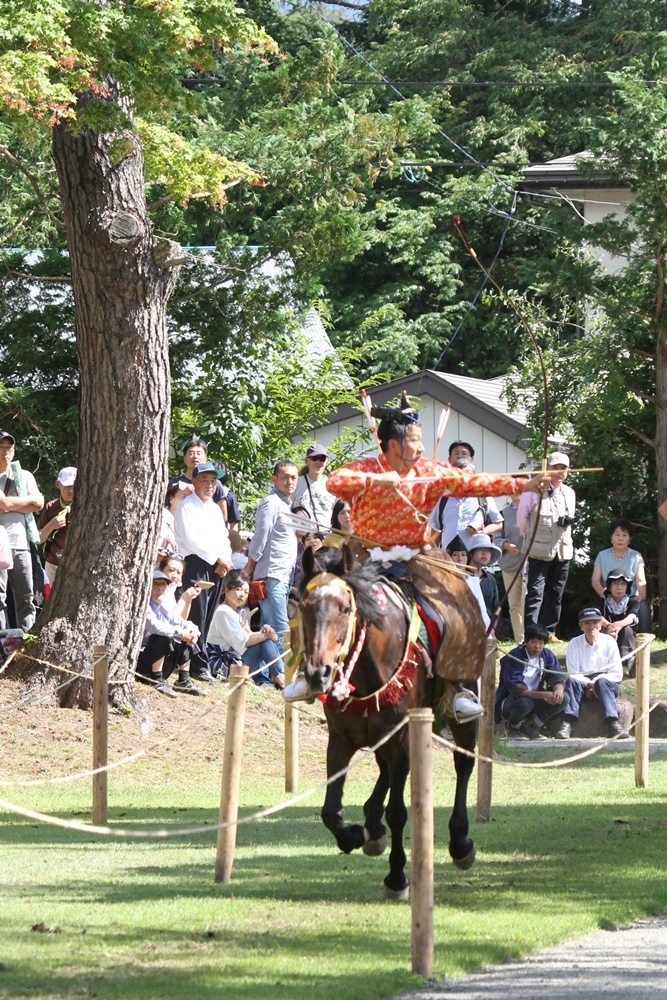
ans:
(549, 545)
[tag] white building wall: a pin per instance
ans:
(492, 452)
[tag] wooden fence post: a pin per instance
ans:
(485, 736)
(291, 730)
(421, 813)
(231, 773)
(100, 732)
(643, 677)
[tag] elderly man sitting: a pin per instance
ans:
(595, 672)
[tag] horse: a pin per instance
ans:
(354, 634)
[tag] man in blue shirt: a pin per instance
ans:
(273, 549)
(531, 687)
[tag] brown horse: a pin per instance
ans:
(353, 626)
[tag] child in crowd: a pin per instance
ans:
(481, 553)
(620, 616)
(531, 687)
(458, 553)
(231, 633)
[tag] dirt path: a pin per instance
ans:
(629, 963)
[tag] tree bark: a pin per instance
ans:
(661, 468)
(121, 290)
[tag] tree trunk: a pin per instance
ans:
(661, 468)
(122, 280)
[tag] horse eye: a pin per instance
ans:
(347, 610)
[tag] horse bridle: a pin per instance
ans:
(328, 579)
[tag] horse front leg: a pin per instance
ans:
(374, 830)
(461, 847)
(396, 884)
(348, 837)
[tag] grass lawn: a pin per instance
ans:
(566, 851)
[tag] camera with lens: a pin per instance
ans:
(565, 520)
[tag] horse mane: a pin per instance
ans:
(360, 578)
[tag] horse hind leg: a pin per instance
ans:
(461, 846)
(375, 841)
(348, 836)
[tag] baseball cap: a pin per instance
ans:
(316, 450)
(159, 575)
(67, 476)
(6, 434)
(590, 615)
(559, 458)
(204, 467)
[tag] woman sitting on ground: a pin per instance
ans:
(231, 633)
(629, 561)
(620, 616)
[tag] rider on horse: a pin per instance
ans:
(391, 497)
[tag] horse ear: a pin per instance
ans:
(308, 563)
(348, 558)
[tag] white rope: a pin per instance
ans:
(165, 834)
(62, 779)
(560, 762)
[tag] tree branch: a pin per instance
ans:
(66, 279)
(154, 205)
(642, 437)
(650, 356)
(34, 183)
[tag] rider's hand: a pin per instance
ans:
(389, 478)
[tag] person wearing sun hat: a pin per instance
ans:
(620, 616)
(481, 553)
(548, 544)
(594, 672)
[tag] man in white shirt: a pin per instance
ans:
(594, 672)
(203, 540)
(467, 516)
(19, 500)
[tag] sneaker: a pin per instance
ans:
(164, 688)
(515, 733)
(202, 675)
(187, 687)
(297, 690)
(466, 706)
(564, 731)
(614, 728)
(532, 730)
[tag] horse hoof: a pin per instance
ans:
(396, 895)
(467, 862)
(373, 848)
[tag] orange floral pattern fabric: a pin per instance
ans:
(389, 517)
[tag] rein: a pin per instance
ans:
(341, 697)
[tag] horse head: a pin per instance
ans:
(346, 618)
(328, 615)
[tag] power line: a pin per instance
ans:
(494, 83)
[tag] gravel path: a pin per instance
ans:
(629, 963)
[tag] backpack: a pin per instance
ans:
(483, 505)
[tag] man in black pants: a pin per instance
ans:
(203, 541)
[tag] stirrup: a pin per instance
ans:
(466, 706)
(296, 690)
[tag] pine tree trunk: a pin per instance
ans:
(661, 468)
(121, 283)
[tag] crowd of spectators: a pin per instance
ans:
(198, 621)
